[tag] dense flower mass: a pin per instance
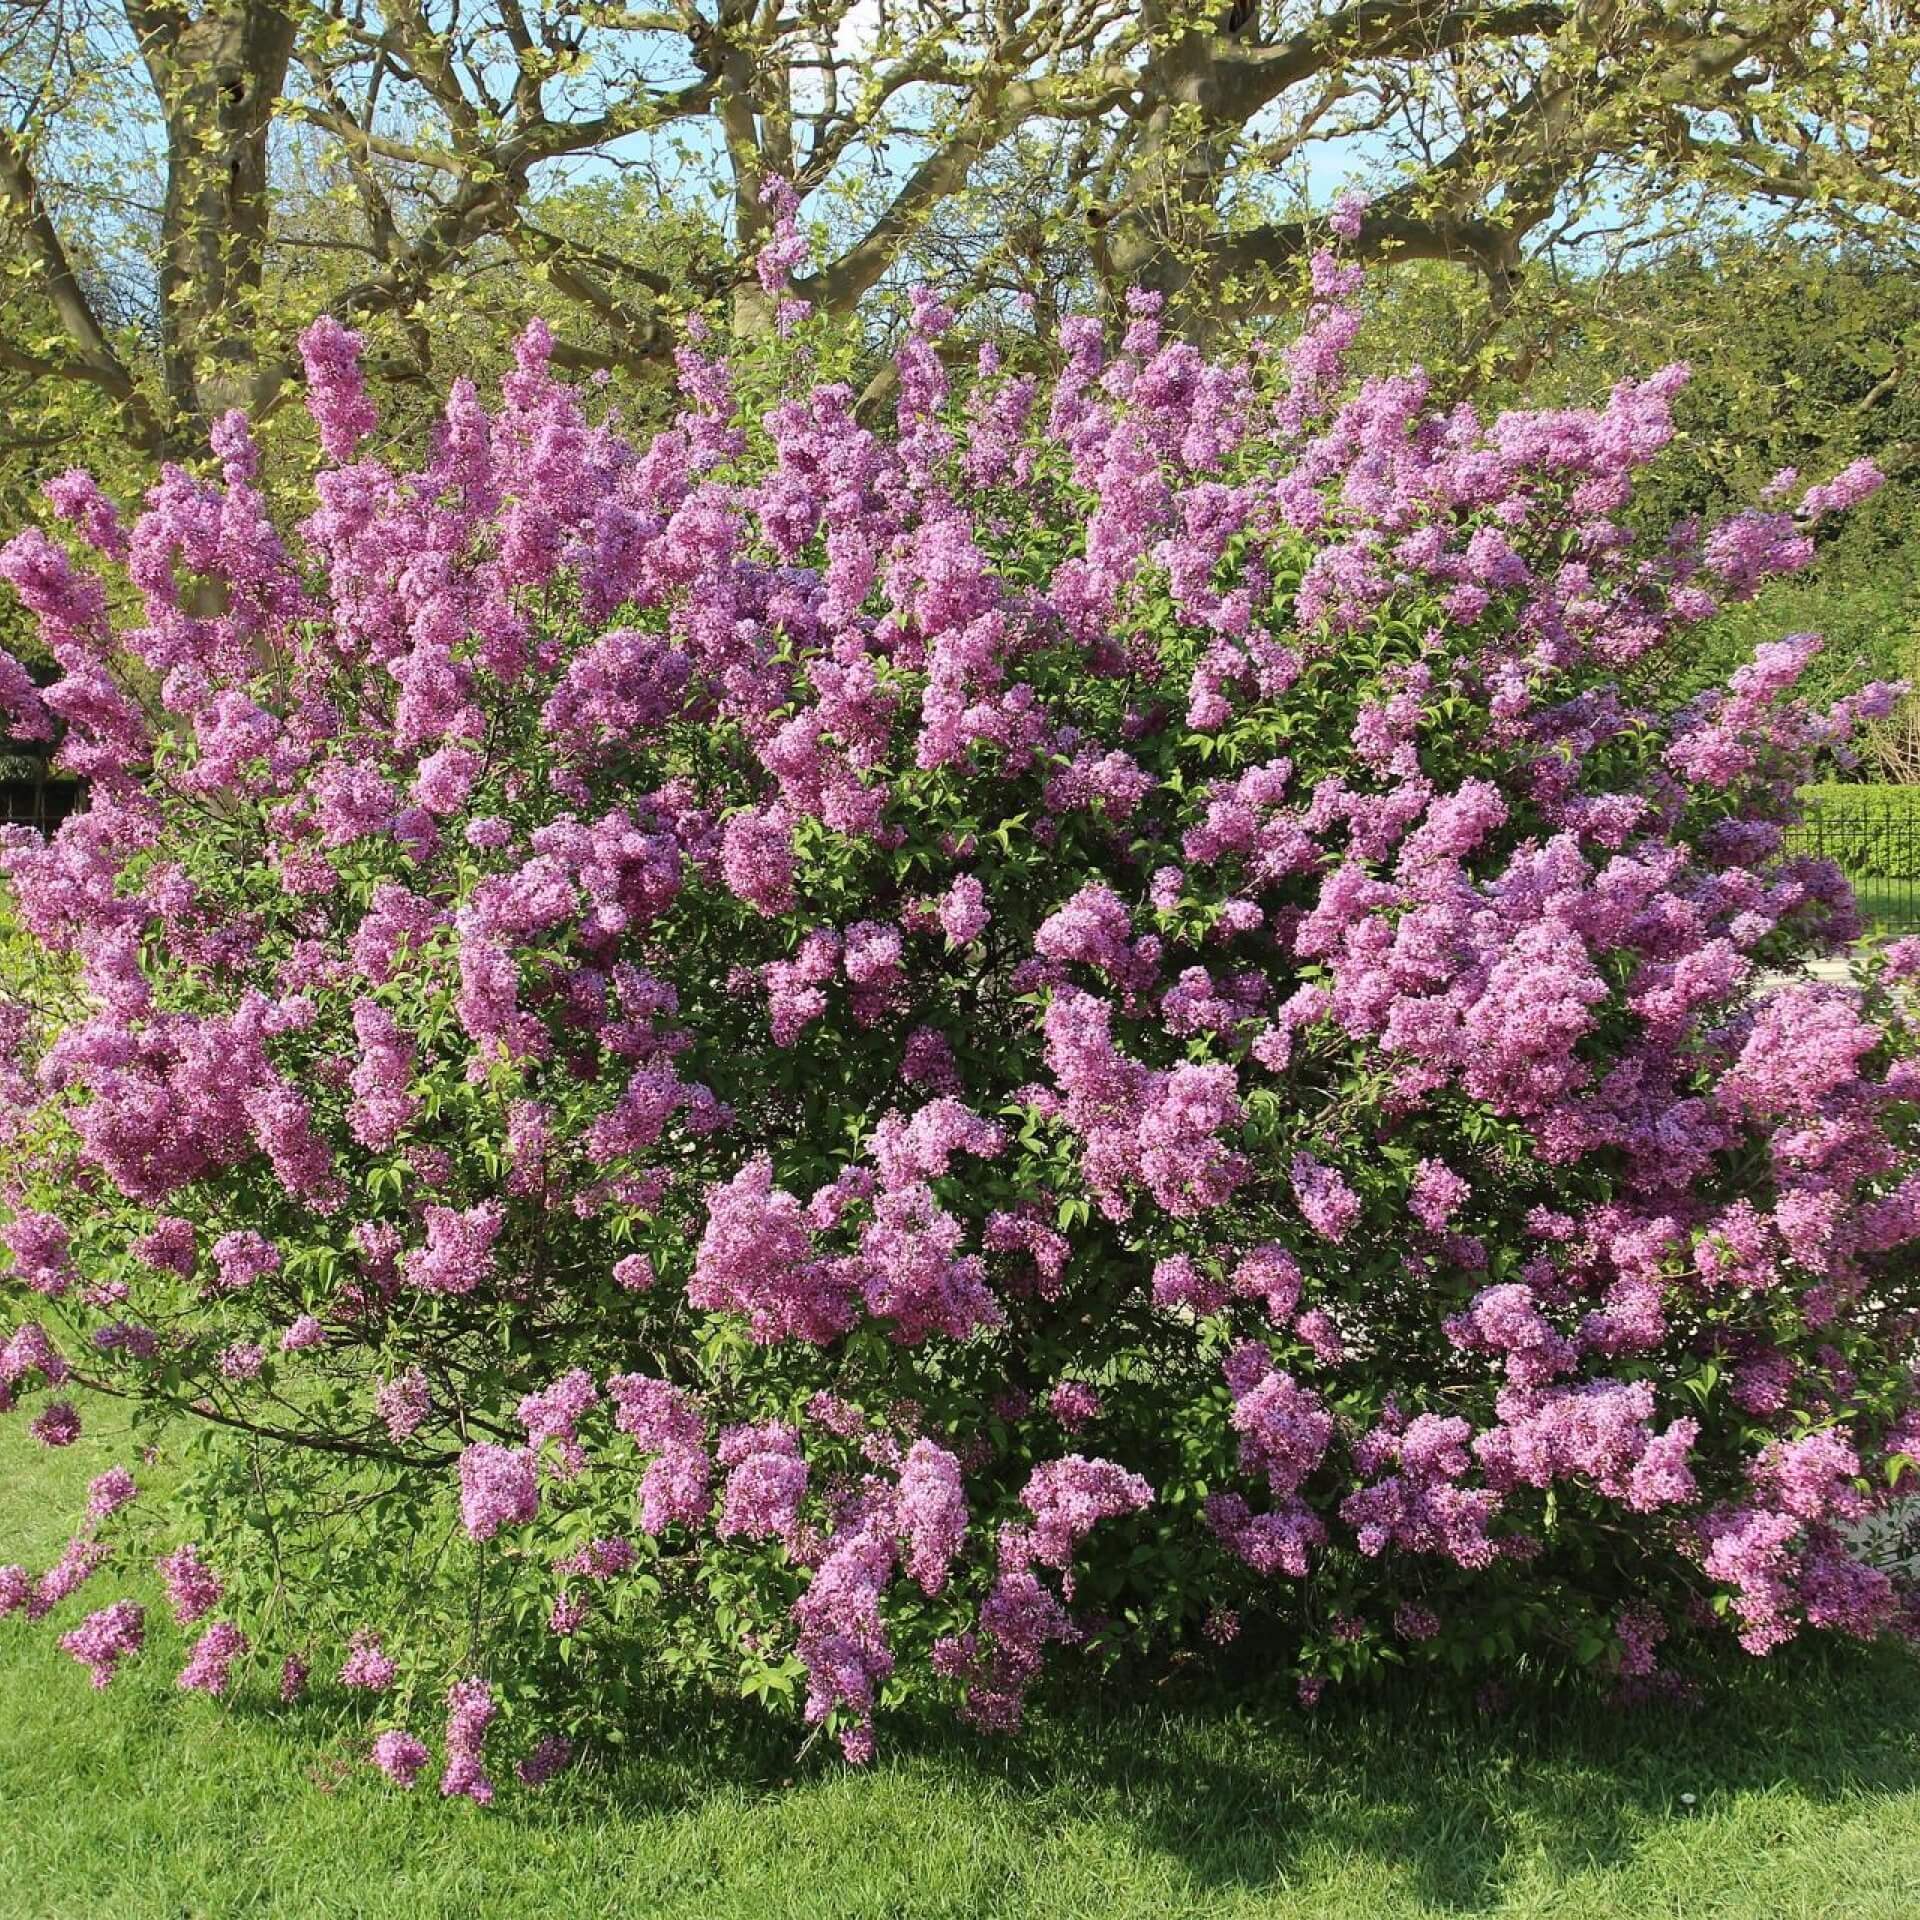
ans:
(842, 1062)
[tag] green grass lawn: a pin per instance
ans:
(1804, 1779)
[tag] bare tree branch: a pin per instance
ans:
(93, 359)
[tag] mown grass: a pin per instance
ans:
(1796, 1792)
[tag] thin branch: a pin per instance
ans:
(94, 358)
(288, 1436)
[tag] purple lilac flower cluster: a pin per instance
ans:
(876, 1057)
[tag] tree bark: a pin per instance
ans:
(218, 78)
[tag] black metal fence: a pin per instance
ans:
(31, 793)
(37, 803)
(1875, 841)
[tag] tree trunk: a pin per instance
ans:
(218, 78)
(1157, 232)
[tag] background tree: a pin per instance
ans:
(1507, 130)
(144, 239)
(1800, 359)
(187, 182)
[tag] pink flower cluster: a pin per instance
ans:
(498, 1488)
(208, 1668)
(470, 1712)
(103, 1639)
(193, 1589)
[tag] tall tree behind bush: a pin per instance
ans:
(1801, 361)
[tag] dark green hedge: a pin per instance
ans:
(1873, 832)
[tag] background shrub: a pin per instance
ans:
(1872, 831)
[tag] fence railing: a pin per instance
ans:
(1876, 843)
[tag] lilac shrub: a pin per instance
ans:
(844, 1064)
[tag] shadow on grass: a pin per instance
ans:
(1251, 1793)
(1208, 1780)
